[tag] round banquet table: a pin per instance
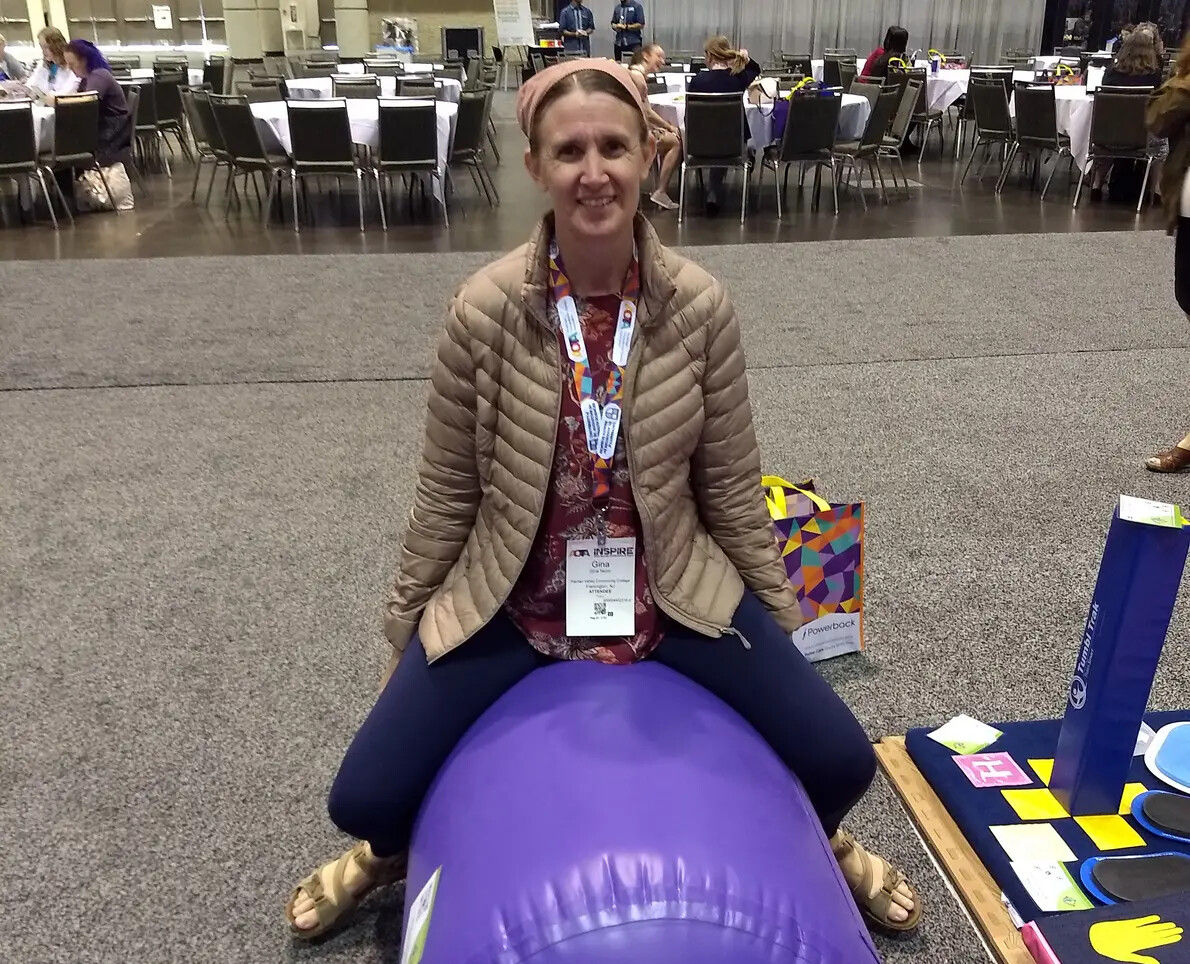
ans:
(272, 119)
(321, 88)
(853, 117)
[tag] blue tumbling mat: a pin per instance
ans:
(976, 809)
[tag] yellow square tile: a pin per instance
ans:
(1037, 804)
(1111, 832)
(1044, 770)
(1131, 792)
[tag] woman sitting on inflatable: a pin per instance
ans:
(589, 489)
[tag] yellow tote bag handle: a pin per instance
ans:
(774, 496)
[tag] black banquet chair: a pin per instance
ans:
(1118, 132)
(809, 138)
(716, 136)
(470, 132)
(993, 122)
(245, 149)
(1037, 134)
(408, 147)
(76, 138)
(320, 134)
(18, 150)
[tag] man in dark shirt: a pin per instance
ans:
(577, 23)
(628, 22)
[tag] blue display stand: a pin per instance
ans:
(1125, 632)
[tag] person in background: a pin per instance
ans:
(577, 24)
(728, 71)
(896, 42)
(1136, 65)
(1168, 115)
(115, 121)
(628, 22)
(12, 68)
(648, 60)
(52, 76)
(877, 52)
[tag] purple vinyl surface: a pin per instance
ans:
(609, 813)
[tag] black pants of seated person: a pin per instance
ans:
(425, 709)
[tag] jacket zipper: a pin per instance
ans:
(732, 631)
(707, 629)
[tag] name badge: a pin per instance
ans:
(601, 587)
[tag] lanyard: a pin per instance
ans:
(601, 423)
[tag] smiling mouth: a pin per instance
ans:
(596, 202)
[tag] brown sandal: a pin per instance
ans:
(335, 905)
(875, 908)
(1175, 459)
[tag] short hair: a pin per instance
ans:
(592, 82)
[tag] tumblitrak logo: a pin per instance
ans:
(575, 346)
(580, 552)
(1078, 692)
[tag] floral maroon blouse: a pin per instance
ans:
(537, 604)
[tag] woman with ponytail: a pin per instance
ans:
(728, 71)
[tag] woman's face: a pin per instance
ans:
(77, 65)
(591, 161)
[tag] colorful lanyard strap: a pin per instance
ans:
(601, 423)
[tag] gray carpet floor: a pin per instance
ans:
(206, 464)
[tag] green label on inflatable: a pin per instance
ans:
(418, 927)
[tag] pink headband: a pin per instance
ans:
(535, 89)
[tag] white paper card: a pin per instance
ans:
(965, 734)
(601, 587)
(417, 928)
(1143, 739)
(162, 17)
(1031, 843)
(1051, 886)
(1149, 512)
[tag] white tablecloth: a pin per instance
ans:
(272, 118)
(194, 74)
(321, 88)
(853, 117)
(43, 127)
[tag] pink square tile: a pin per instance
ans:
(992, 770)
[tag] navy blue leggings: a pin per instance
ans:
(425, 709)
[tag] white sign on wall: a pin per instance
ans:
(163, 19)
(514, 23)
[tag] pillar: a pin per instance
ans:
(36, 20)
(53, 13)
(253, 26)
(352, 28)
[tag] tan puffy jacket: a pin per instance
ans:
(495, 395)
